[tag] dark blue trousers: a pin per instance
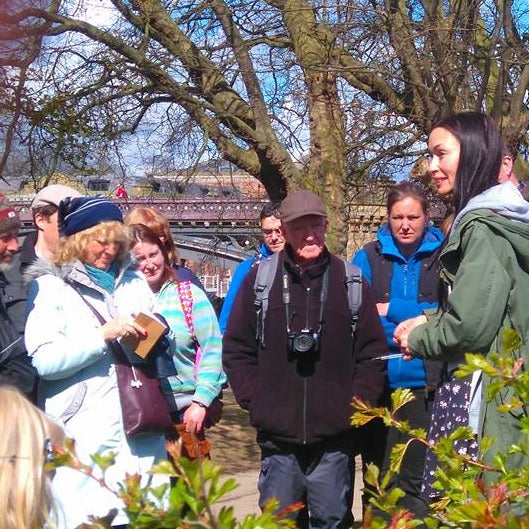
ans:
(319, 475)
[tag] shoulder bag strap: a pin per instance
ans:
(186, 300)
(82, 388)
(115, 346)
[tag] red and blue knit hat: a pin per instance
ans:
(80, 213)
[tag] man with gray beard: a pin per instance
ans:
(15, 366)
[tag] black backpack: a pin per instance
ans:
(264, 279)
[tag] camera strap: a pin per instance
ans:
(323, 299)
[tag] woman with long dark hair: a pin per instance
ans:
(485, 274)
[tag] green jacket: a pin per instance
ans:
(486, 265)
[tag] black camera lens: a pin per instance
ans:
(303, 343)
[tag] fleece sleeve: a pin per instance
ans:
(210, 377)
(370, 342)
(402, 309)
(240, 273)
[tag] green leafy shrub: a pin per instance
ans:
(196, 486)
(468, 501)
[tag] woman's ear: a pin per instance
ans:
(505, 168)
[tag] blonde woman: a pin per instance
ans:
(73, 355)
(27, 435)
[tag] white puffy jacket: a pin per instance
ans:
(78, 382)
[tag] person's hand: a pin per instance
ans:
(194, 417)
(400, 337)
(121, 327)
(382, 309)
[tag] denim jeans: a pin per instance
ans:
(320, 475)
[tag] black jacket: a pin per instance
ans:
(307, 399)
(15, 366)
(12, 284)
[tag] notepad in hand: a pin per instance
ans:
(142, 345)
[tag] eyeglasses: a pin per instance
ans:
(270, 231)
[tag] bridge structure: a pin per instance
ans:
(219, 231)
(216, 234)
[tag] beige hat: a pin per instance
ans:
(52, 195)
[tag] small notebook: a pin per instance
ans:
(141, 345)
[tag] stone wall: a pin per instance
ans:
(363, 226)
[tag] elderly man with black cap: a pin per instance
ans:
(72, 349)
(299, 397)
(15, 367)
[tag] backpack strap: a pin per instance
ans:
(264, 279)
(381, 272)
(266, 272)
(353, 282)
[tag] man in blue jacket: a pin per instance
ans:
(273, 242)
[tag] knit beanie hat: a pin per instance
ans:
(9, 219)
(80, 213)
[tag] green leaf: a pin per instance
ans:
(400, 397)
(372, 475)
(397, 455)
(511, 341)
(104, 461)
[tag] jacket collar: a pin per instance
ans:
(70, 272)
(432, 239)
(503, 198)
(314, 270)
(263, 253)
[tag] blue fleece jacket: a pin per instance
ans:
(403, 302)
(240, 273)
